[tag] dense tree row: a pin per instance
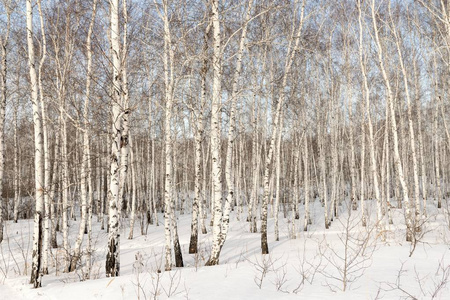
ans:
(115, 111)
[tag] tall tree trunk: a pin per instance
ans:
(196, 204)
(113, 251)
(292, 49)
(307, 220)
(47, 199)
(412, 139)
(232, 129)
(125, 128)
(169, 215)
(423, 174)
(277, 189)
(390, 100)
(3, 72)
(216, 106)
(363, 161)
(36, 269)
(16, 170)
(373, 164)
(86, 183)
(133, 191)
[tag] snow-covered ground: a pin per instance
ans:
(314, 265)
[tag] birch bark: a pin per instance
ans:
(412, 139)
(292, 49)
(113, 250)
(216, 135)
(3, 72)
(36, 268)
(85, 182)
(196, 204)
(390, 100)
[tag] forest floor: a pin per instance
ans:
(317, 264)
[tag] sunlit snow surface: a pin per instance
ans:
(308, 267)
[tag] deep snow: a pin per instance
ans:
(308, 267)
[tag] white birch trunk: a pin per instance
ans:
(232, 130)
(3, 95)
(390, 100)
(438, 189)
(197, 207)
(334, 160)
(292, 49)
(88, 228)
(323, 188)
(47, 200)
(277, 189)
(204, 206)
(152, 183)
(36, 269)
(307, 219)
(412, 139)
(420, 139)
(373, 165)
(124, 130)
(216, 136)
(85, 162)
(16, 170)
(168, 185)
(363, 160)
(255, 167)
(55, 207)
(387, 166)
(112, 256)
(133, 192)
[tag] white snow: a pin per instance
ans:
(308, 267)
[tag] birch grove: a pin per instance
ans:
(280, 116)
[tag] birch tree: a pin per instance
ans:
(294, 42)
(216, 135)
(366, 94)
(411, 130)
(4, 38)
(199, 132)
(36, 269)
(225, 219)
(85, 170)
(393, 125)
(170, 227)
(113, 252)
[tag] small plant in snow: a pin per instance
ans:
(431, 285)
(350, 263)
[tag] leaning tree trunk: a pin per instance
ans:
(390, 100)
(292, 49)
(412, 139)
(231, 131)
(47, 199)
